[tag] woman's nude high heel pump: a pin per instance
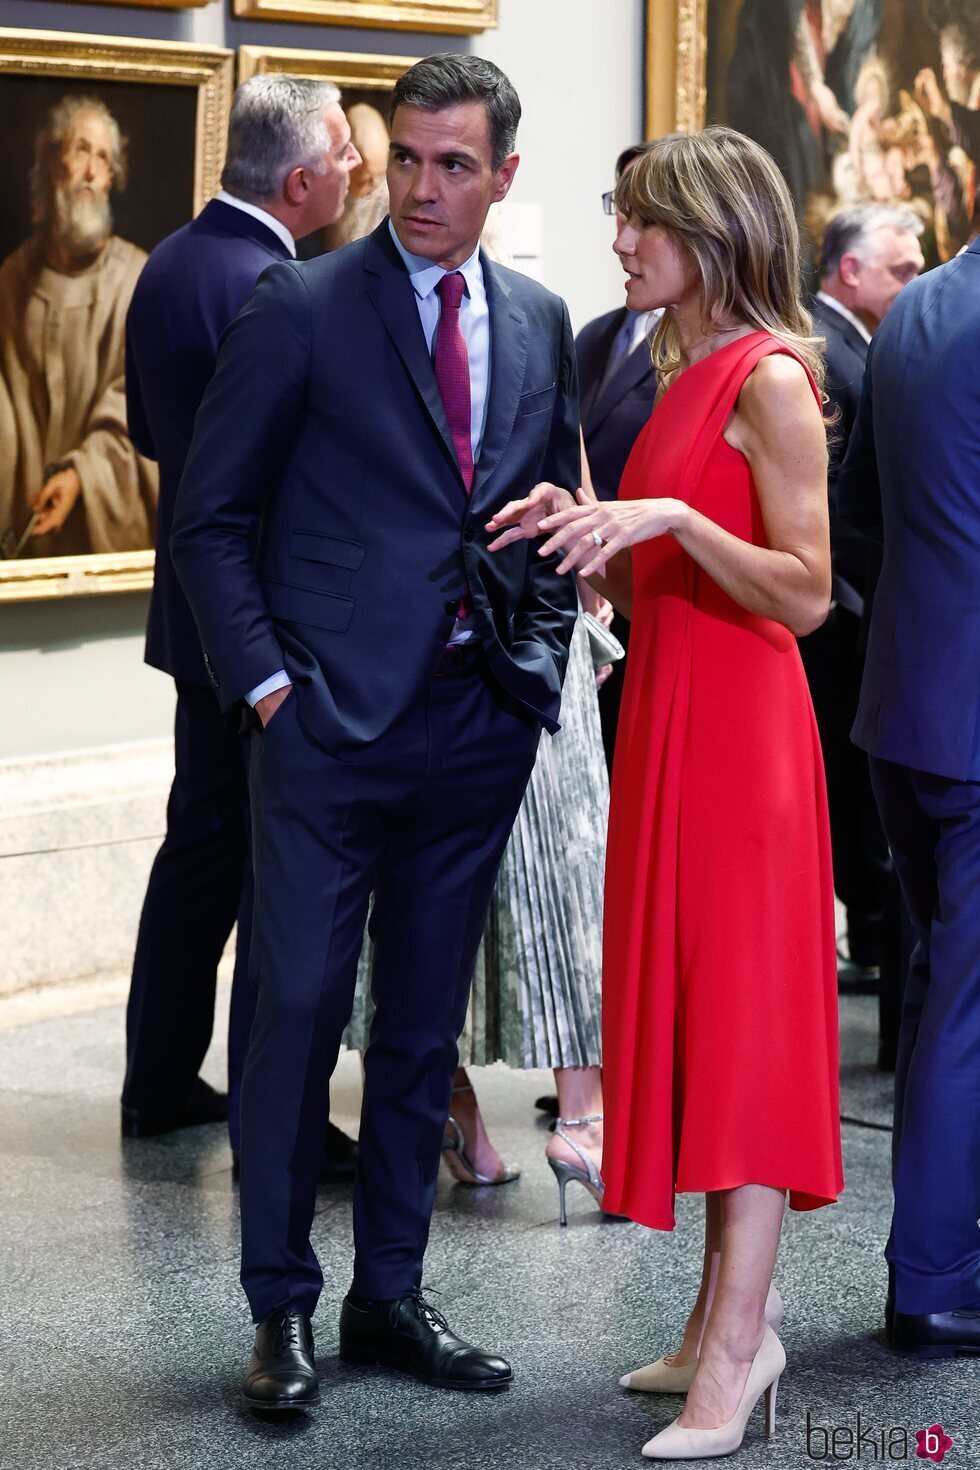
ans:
(677, 1443)
(459, 1166)
(664, 1377)
(567, 1173)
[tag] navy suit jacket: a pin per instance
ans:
(194, 283)
(612, 413)
(846, 354)
(912, 476)
(323, 430)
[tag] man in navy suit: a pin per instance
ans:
(370, 412)
(618, 387)
(870, 252)
(913, 469)
(288, 162)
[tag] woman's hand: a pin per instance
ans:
(593, 602)
(520, 520)
(619, 524)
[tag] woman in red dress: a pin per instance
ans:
(720, 980)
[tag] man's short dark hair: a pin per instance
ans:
(447, 80)
(630, 155)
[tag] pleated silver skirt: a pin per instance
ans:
(536, 988)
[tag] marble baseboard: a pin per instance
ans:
(78, 833)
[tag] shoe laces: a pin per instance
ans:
(287, 1332)
(429, 1314)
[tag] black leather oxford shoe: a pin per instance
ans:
(409, 1334)
(200, 1105)
(281, 1373)
(936, 1334)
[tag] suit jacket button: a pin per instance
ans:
(469, 533)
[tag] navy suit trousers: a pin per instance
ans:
(200, 883)
(421, 819)
(933, 826)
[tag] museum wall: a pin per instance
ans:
(84, 735)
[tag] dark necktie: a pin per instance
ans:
(452, 367)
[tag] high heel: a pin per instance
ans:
(567, 1173)
(677, 1443)
(664, 1377)
(457, 1162)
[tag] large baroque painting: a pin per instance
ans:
(109, 146)
(857, 100)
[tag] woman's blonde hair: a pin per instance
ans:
(726, 205)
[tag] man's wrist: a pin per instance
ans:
(279, 680)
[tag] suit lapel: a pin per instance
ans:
(597, 365)
(508, 364)
(631, 371)
(390, 291)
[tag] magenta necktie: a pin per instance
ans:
(452, 367)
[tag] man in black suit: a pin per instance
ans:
(288, 161)
(869, 254)
(370, 412)
(618, 387)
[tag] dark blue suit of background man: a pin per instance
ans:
(397, 762)
(916, 443)
(193, 285)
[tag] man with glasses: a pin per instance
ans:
(618, 387)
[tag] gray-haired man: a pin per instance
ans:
(869, 253)
(287, 171)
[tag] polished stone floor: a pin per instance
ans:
(123, 1333)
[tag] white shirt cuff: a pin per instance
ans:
(268, 686)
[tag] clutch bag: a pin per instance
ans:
(604, 646)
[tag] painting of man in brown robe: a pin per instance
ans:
(70, 480)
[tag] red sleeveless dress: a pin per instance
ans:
(720, 1060)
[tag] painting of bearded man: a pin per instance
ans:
(70, 480)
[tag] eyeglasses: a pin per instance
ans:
(609, 202)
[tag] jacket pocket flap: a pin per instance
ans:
(313, 546)
(302, 605)
(538, 401)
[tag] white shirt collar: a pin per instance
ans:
(425, 274)
(846, 313)
(269, 220)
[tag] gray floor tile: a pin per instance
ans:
(123, 1332)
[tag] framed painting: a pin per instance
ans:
(857, 100)
(109, 146)
(458, 17)
(365, 83)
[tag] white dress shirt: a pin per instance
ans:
(474, 322)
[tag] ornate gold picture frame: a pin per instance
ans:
(676, 56)
(170, 101)
(352, 71)
(457, 17)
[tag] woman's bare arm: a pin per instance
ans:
(779, 429)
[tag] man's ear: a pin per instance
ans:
(505, 177)
(295, 186)
(850, 268)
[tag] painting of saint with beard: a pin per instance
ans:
(69, 477)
